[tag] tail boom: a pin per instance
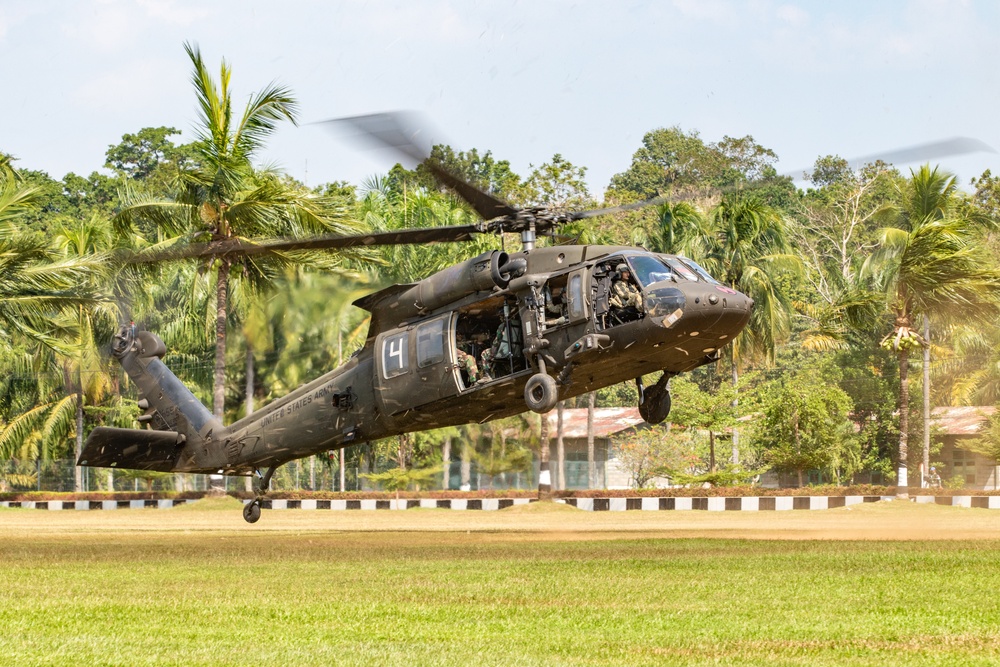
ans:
(180, 433)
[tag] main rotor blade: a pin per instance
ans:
(237, 247)
(919, 153)
(483, 203)
(593, 213)
(401, 131)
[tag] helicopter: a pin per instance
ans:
(486, 338)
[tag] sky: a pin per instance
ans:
(525, 80)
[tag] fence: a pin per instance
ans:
(314, 473)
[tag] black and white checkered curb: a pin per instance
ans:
(712, 504)
(93, 504)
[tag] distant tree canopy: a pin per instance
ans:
(674, 161)
(140, 155)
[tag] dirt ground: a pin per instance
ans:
(887, 520)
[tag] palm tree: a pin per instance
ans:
(86, 371)
(928, 263)
(743, 243)
(36, 285)
(746, 248)
(46, 299)
(679, 227)
(226, 197)
(16, 198)
(972, 370)
(383, 207)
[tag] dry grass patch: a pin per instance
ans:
(546, 584)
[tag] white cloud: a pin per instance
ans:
(106, 27)
(14, 14)
(716, 11)
(175, 13)
(140, 85)
(792, 15)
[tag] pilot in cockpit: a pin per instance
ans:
(625, 298)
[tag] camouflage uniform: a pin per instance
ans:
(624, 295)
(467, 363)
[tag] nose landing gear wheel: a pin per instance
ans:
(251, 511)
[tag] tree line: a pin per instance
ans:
(871, 285)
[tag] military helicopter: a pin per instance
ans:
(487, 338)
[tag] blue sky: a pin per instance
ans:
(524, 79)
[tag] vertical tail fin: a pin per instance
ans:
(177, 425)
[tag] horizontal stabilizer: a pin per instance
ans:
(132, 449)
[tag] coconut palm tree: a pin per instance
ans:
(384, 207)
(46, 296)
(972, 365)
(36, 285)
(87, 373)
(746, 247)
(928, 262)
(227, 197)
(679, 229)
(743, 243)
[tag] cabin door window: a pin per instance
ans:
(431, 342)
(395, 355)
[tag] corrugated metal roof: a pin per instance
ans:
(964, 420)
(607, 421)
(947, 420)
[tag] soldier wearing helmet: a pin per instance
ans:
(625, 297)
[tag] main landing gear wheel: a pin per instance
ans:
(251, 511)
(541, 393)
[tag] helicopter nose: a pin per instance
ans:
(736, 309)
(709, 312)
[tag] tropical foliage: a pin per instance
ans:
(842, 273)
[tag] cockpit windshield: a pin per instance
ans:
(705, 275)
(681, 269)
(649, 270)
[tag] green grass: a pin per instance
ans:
(322, 597)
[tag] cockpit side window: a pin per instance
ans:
(649, 270)
(681, 269)
(705, 275)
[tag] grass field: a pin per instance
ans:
(888, 582)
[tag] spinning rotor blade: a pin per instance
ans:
(593, 213)
(919, 153)
(400, 131)
(485, 204)
(456, 233)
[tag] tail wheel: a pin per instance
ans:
(541, 393)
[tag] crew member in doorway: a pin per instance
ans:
(503, 352)
(468, 366)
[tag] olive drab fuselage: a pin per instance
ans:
(549, 318)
